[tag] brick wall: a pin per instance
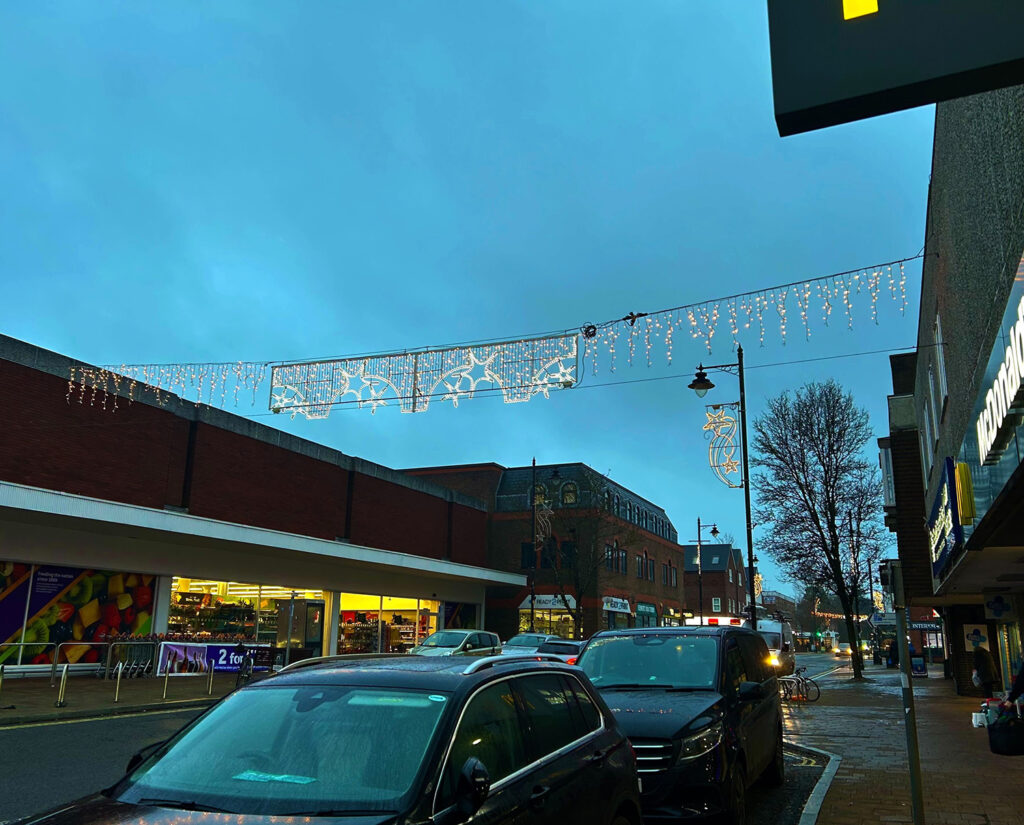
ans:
(219, 466)
(911, 535)
(480, 482)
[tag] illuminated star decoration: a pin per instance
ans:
(721, 426)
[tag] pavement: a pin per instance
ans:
(29, 700)
(963, 782)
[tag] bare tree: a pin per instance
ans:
(814, 479)
(589, 530)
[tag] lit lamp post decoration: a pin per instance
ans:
(721, 426)
(700, 385)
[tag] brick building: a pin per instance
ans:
(612, 552)
(953, 456)
(723, 580)
(196, 521)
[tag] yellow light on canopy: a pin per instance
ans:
(859, 8)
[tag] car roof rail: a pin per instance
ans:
(341, 658)
(510, 658)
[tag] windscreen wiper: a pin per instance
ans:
(184, 805)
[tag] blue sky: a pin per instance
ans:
(258, 181)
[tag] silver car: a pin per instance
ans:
(459, 643)
(526, 642)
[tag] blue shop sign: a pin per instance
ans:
(945, 533)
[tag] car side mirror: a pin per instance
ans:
(468, 646)
(142, 755)
(785, 647)
(473, 788)
(751, 691)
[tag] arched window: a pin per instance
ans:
(540, 494)
(570, 494)
(607, 501)
(629, 511)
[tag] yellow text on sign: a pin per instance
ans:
(858, 8)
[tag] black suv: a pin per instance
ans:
(700, 706)
(399, 740)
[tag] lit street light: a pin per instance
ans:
(700, 385)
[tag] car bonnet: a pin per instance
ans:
(658, 713)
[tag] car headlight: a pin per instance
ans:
(700, 743)
(773, 661)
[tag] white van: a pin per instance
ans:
(779, 637)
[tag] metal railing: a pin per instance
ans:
(43, 645)
(56, 656)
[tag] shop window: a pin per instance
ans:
(940, 358)
(547, 554)
(568, 554)
(716, 605)
(528, 558)
(570, 494)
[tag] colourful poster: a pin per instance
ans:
(69, 612)
(182, 659)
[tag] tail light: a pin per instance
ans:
(571, 660)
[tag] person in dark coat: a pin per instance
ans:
(894, 656)
(985, 664)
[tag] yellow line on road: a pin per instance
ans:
(126, 715)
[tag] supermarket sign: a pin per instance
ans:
(836, 61)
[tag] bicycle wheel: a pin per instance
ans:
(811, 690)
(786, 689)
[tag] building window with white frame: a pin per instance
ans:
(940, 359)
(716, 605)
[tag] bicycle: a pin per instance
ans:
(799, 687)
(244, 672)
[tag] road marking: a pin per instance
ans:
(806, 762)
(130, 715)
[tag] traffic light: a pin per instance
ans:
(817, 633)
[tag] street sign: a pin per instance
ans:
(836, 61)
(932, 626)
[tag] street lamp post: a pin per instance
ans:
(533, 541)
(701, 385)
(700, 569)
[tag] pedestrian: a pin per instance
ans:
(894, 655)
(985, 668)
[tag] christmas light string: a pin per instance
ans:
(513, 367)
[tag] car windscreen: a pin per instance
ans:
(773, 640)
(525, 640)
(444, 638)
(296, 750)
(567, 648)
(655, 660)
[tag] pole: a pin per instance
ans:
(291, 622)
(700, 576)
(910, 718)
(746, 490)
(209, 681)
(117, 686)
(63, 687)
(168, 666)
(533, 543)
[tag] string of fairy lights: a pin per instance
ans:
(520, 369)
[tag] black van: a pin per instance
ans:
(700, 706)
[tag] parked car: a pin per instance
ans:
(382, 739)
(526, 642)
(458, 643)
(701, 708)
(844, 649)
(564, 649)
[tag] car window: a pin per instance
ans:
(589, 716)
(490, 730)
(493, 640)
(755, 657)
(653, 660)
(475, 640)
(735, 668)
(525, 640)
(548, 713)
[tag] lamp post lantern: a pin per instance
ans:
(700, 568)
(700, 385)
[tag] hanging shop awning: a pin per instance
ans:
(49, 527)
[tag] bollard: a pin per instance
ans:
(167, 672)
(209, 686)
(117, 687)
(63, 688)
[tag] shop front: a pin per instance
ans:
(548, 615)
(646, 615)
(616, 612)
(90, 572)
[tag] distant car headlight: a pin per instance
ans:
(700, 743)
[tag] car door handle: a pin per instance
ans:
(539, 795)
(598, 756)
